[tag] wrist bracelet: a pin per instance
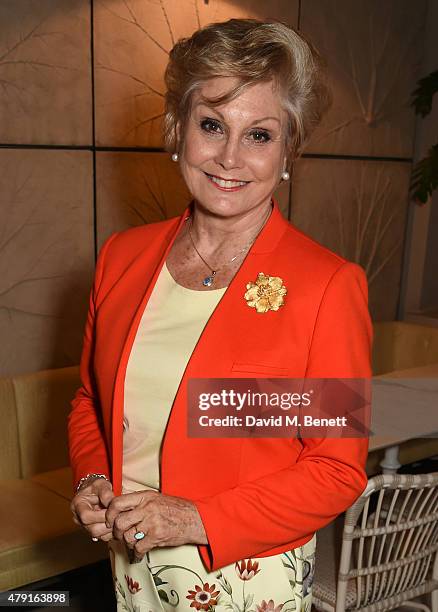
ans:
(85, 479)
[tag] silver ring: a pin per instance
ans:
(94, 539)
(139, 535)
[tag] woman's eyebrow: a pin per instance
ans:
(266, 119)
(210, 107)
(254, 122)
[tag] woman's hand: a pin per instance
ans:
(166, 521)
(89, 507)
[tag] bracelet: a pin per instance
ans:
(88, 477)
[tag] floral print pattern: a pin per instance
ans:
(269, 606)
(175, 580)
(133, 585)
(247, 569)
(124, 602)
(204, 598)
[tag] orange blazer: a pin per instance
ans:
(256, 497)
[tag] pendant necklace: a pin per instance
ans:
(209, 280)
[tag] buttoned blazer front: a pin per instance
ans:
(256, 497)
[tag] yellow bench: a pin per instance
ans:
(38, 538)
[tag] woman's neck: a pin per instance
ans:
(213, 244)
(214, 234)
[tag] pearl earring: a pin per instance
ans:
(175, 157)
(285, 175)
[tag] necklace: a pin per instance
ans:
(209, 280)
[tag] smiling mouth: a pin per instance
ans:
(226, 185)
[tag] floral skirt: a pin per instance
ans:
(175, 579)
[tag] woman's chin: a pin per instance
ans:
(222, 206)
(229, 204)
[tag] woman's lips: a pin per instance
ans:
(224, 184)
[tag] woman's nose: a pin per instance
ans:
(229, 155)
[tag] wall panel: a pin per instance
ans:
(357, 209)
(46, 257)
(136, 188)
(45, 72)
(373, 50)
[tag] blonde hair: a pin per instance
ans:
(253, 51)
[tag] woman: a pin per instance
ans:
(228, 290)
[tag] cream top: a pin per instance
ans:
(168, 332)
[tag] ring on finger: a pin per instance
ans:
(139, 535)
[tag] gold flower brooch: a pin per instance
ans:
(267, 293)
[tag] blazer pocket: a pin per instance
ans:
(259, 368)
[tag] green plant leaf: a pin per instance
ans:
(163, 595)
(423, 95)
(424, 178)
(158, 581)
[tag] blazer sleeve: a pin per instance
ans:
(87, 447)
(291, 504)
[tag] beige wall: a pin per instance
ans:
(81, 103)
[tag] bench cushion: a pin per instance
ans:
(58, 481)
(43, 404)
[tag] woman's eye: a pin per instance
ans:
(259, 136)
(211, 126)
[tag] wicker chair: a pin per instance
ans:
(389, 551)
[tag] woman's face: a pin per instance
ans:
(233, 155)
